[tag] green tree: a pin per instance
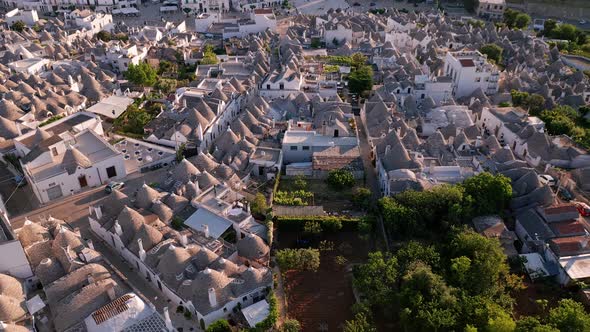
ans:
(361, 80)
(522, 21)
(300, 182)
(488, 272)
(377, 280)
(414, 251)
(532, 324)
(312, 228)
(209, 56)
(501, 323)
(360, 323)
(493, 51)
(316, 43)
(291, 325)
(18, 26)
(535, 104)
(340, 179)
(358, 60)
(298, 259)
(549, 26)
(103, 35)
(427, 303)
(165, 85)
(141, 74)
(510, 17)
(398, 219)
(491, 193)
(562, 120)
(519, 98)
(459, 269)
(259, 206)
(362, 198)
(221, 325)
(439, 207)
(470, 5)
(166, 67)
(565, 32)
(569, 315)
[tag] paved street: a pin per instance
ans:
(371, 178)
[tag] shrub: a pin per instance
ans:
(294, 198)
(332, 225)
(312, 227)
(298, 259)
(221, 325)
(340, 179)
(291, 325)
(300, 182)
(259, 206)
(296, 223)
(177, 223)
(362, 198)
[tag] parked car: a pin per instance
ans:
(565, 194)
(583, 208)
(114, 185)
(356, 4)
(547, 179)
(372, 4)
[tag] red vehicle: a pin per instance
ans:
(584, 209)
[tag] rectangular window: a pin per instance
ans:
(305, 148)
(54, 151)
(293, 148)
(268, 87)
(478, 79)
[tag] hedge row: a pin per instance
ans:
(328, 223)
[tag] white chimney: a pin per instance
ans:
(90, 279)
(206, 230)
(18, 128)
(478, 142)
(387, 149)
(200, 132)
(98, 212)
(168, 320)
(118, 229)
(212, 297)
(183, 240)
(141, 250)
(197, 189)
(111, 291)
(90, 244)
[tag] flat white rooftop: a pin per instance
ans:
(576, 267)
(256, 313)
(111, 107)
